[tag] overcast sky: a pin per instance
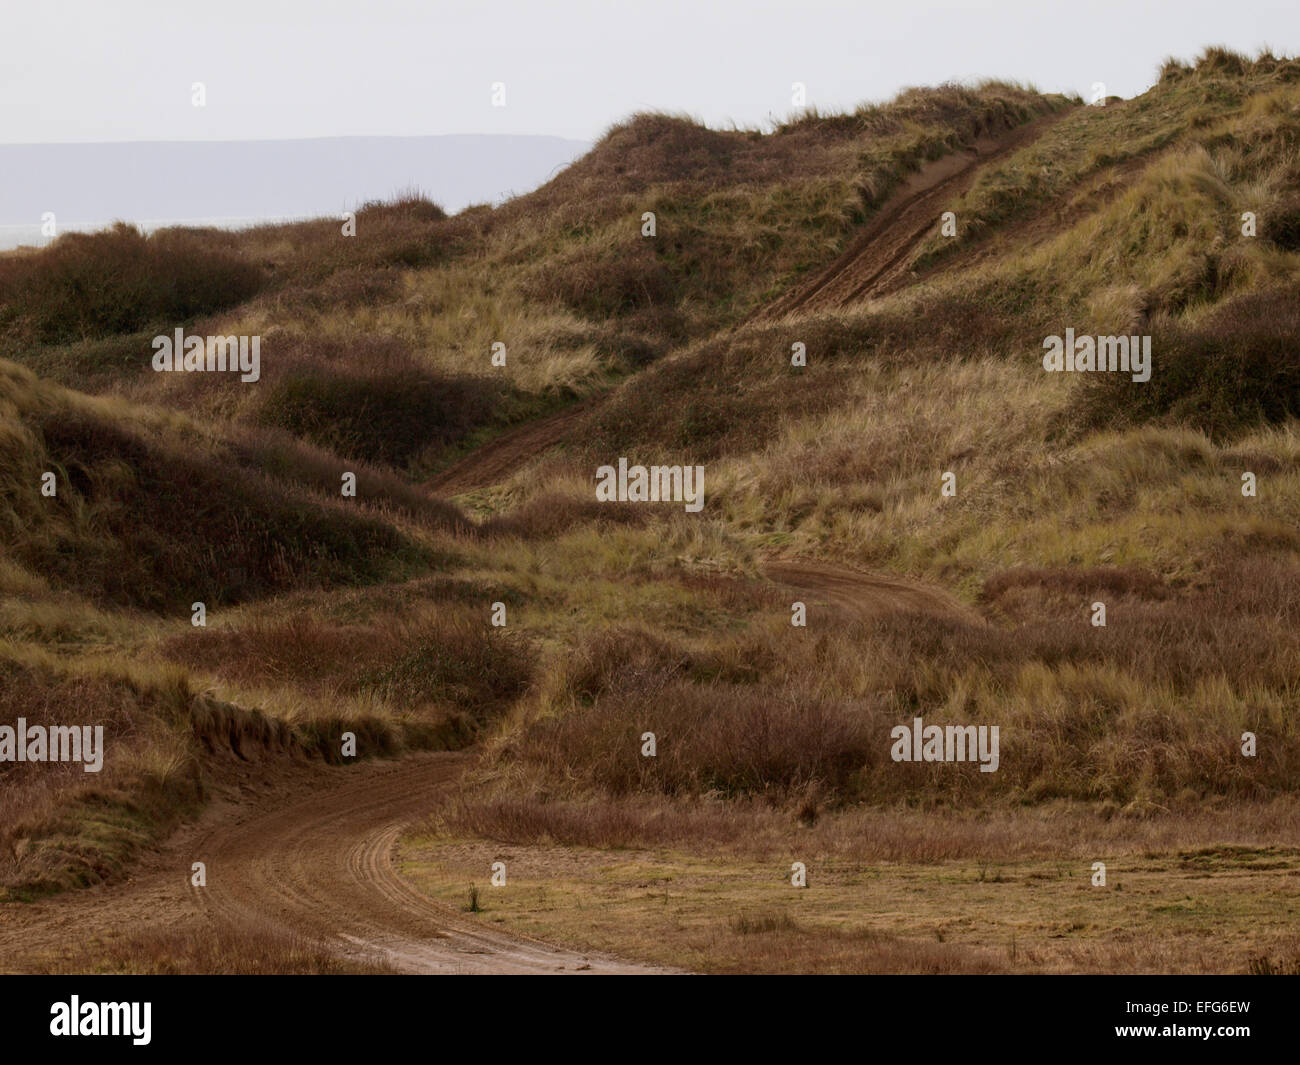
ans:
(87, 70)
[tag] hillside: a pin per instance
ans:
(1174, 215)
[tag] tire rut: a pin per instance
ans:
(311, 855)
(324, 864)
(499, 458)
(867, 594)
(875, 260)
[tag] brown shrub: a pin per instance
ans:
(150, 525)
(605, 281)
(449, 659)
(552, 514)
(371, 400)
(120, 281)
(1237, 367)
(719, 737)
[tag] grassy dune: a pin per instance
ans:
(372, 614)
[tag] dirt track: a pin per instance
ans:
(498, 458)
(312, 857)
(876, 259)
(867, 594)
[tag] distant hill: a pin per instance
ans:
(180, 180)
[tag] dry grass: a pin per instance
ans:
(1216, 909)
(62, 826)
(919, 833)
(224, 948)
(1119, 743)
(158, 512)
(1149, 708)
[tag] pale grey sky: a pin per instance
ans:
(86, 70)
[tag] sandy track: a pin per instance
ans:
(498, 459)
(867, 594)
(314, 857)
(324, 863)
(876, 259)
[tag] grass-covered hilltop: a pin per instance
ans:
(843, 322)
